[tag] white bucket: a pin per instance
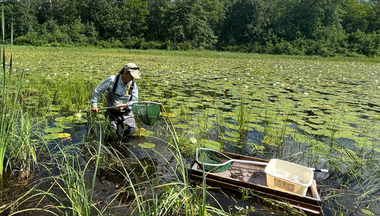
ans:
(288, 177)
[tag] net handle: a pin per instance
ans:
(230, 160)
(113, 107)
(171, 123)
(240, 161)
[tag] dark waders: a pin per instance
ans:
(122, 123)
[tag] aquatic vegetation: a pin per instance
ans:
(323, 112)
(16, 149)
(147, 145)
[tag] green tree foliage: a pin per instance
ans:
(215, 13)
(186, 21)
(22, 14)
(357, 16)
(246, 22)
(156, 19)
(132, 14)
(319, 18)
(283, 20)
(311, 27)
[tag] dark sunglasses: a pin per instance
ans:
(134, 68)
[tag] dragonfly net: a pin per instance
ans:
(211, 160)
(148, 112)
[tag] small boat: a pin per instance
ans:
(245, 176)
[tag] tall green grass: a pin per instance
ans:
(72, 182)
(16, 150)
(156, 193)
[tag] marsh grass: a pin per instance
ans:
(72, 180)
(69, 193)
(242, 116)
(16, 150)
(159, 190)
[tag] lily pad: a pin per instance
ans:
(61, 119)
(71, 119)
(56, 136)
(64, 135)
(52, 108)
(51, 114)
(65, 125)
(147, 145)
(212, 144)
(53, 130)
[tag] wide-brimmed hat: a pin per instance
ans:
(133, 69)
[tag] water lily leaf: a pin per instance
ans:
(229, 139)
(53, 130)
(56, 136)
(65, 125)
(50, 136)
(147, 145)
(51, 114)
(233, 134)
(211, 144)
(64, 135)
(52, 108)
(61, 119)
(76, 120)
(71, 119)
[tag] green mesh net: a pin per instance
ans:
(213, 161)
(148, 112)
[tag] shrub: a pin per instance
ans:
(22, 40)
(55, 44)
(105, 44)
(283, 47)
(152, 45)
(116, 43)
(186, 45)
(131, 42)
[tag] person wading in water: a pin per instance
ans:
(122, 92)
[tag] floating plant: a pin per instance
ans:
(147, 145)
(57, 136)
(53, 130)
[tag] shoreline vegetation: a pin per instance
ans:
(194, 53)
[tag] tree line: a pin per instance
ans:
(294, 27)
